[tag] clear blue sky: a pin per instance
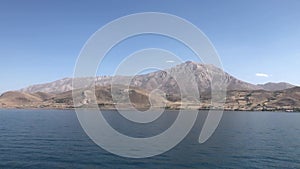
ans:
(40, 40)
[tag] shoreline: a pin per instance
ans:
(175, 109)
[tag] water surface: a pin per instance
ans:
(55, 139)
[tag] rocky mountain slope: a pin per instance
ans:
(202, 73)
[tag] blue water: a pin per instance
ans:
(55, 139)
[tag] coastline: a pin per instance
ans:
(171, 109)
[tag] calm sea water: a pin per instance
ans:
(55, 139)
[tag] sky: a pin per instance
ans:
(257, 41)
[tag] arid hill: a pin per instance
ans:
(256, 100)
(138, 98)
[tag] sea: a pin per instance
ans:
(48, 139)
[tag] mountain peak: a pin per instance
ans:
(202, 74)
(190, 62)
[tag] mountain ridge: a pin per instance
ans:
(271, 86)
(155, 79)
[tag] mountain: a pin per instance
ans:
(202, 74)
(276, 86)
(166, 84)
